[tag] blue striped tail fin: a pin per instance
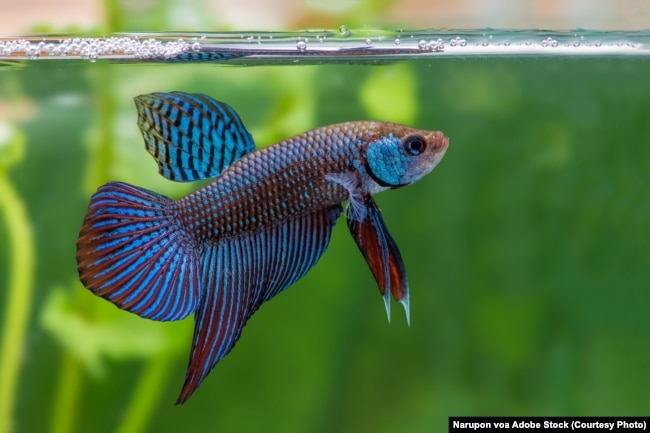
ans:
(191, 136)
(133, 252)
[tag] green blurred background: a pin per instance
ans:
(526, 249)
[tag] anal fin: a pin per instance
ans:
(240, 274)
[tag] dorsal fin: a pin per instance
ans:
(191, 136)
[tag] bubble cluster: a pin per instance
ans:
(458, 41)
(435, 45)
(94, 48)
(549, 42)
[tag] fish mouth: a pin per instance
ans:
(440, 142)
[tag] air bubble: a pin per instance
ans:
(397, 41)
(344, 31)
(422, 44)
(33, 53)
(549, 42)
(437, 45)
(301, 46)
(458, 41)
(368, 41)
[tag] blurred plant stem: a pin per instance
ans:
(101, 153)
(19, 296)
(65, 402)
(145, 395)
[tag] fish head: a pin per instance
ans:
(397, 155)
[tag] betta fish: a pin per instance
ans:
(261, 224)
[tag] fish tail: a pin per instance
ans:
(133, 251)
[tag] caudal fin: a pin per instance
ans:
(133, 252)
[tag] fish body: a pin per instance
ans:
(286, 181)
(258, 227)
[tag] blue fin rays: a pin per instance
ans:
(132, 252)
(191, 136)
(242, 273)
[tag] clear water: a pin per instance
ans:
(526, 248)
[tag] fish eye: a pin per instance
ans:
(415, 145)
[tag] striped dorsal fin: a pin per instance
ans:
(191, 136)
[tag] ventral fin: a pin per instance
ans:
(242, 273)
(191, 136)
(382, 255)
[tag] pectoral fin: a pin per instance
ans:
(382, 254)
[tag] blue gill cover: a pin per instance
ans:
(266, 219)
